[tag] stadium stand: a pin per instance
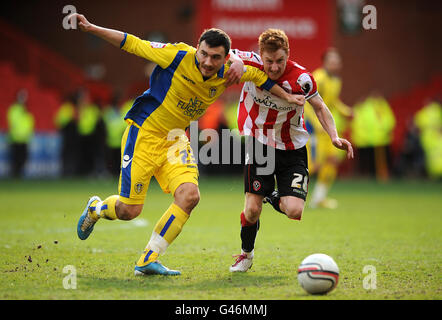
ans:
(47, 76)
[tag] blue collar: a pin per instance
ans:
(221, 72)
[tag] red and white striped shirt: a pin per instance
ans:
(270, 119)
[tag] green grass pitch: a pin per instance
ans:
(394, 227)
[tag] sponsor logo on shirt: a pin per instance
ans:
(267, 102)
(193, 108)
(187, 79)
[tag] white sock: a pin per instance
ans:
(98, 209)
(319, 193)
(248, 254)
(157, 243)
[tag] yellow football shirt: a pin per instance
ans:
(329, 87)
(178, 94)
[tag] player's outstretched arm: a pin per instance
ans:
(328, 123)
(261, 79)
(236, 70)
(114, 37)
(297, 99)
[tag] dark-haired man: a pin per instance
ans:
(184, 83)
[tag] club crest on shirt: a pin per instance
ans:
(138, 187)
(212, 92)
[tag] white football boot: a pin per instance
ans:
(243, 262)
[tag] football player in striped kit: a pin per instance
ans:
(276, 124)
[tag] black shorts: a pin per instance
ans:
(290, 172)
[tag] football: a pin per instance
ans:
(318, 274)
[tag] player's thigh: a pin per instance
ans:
(293, 206)
(137, 168)
(292, 174)
(257, 179)
(258, 184)
(178, 168)
(127, 211)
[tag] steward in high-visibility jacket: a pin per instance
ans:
(429, 122)
(21, 131)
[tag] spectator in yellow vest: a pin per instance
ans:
(21, 131)
(113, 117)
(91, 135)
(429, 122)
(66, 122)
(372, 133)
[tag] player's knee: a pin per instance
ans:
(292, 207)
(253, 207)
(252, 218)
(252, 212)
(187, 196)
(192, 197)
(127, 212)
(294, 212)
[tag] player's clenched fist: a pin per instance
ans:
(113, 36)
(81, 20)
(297, 99)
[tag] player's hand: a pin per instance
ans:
(298, 99)
(234, 74)
(344, 144)
(82, 22)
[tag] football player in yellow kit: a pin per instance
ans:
(184, 83)
(323, 157)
